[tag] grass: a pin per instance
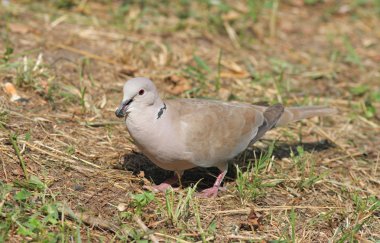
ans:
(249, 184)
(59, 152)
(177, 214)
(29, 211)
(13, 138)
(305, 167)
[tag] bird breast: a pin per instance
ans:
(157, 139)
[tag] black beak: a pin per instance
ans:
(121, 110)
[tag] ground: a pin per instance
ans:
(69, 170)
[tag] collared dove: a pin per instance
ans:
(179, 134)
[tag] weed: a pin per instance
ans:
(306, 168)
(82, 98)
(176, 212)
(7, 55)
(249, 184)
(278, 83)
(289, 231)
(254, 9)
(312, 2)
(366, 107)
(377, 6)
(364, 213)
(359, 90)
(218, 80)
(122, 11)
(195, 207)
(27, 211)
(29, 73)
(139, 203)
(202, 65)
(273, 19)
(66, 4)
(212, 227)
(351, 56)
(13, 139)
(293, 218)
(70, 150)
(199, 72)
(3, 112)
(131, 233)
(141, 200)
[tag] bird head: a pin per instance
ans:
(138, 93)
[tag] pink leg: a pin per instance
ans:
(168, 183)
(213, 191)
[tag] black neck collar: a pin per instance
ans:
(161, 111)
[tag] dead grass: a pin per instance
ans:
(323, 52)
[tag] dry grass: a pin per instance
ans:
(308, 190)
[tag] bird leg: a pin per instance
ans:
(168, 183)
(213, 191)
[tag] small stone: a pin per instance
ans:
(122, 207)
(78, 188)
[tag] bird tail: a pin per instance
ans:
(293, 114)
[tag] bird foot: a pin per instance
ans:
(209, 192)
(162, 187)
(167, 184)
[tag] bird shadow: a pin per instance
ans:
(137, 162)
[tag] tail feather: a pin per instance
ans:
(293, 114)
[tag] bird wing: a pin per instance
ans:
(214, 131)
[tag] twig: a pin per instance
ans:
(13, 139)
(343, 157)
(95, 193)
(273, 19)
(38, 62)
(87, 54)
(372, 124)
(3, 201)
(361, 239)
(374, 181)
(171, 237)
(327, 136)
(54, 155)
(58, 21)
(64, 154)
(98, 222)
(231, 34)
(285, 208)
(100, 123)
(377, 164)
(243, 237)
(336, 183)
(141, 224)
(87, 219)
(5, 171)
(208, 239)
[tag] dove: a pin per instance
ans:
(180, 134)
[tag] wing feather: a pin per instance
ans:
(216, 131)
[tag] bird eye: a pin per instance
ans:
(141, 92)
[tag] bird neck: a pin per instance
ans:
(142, 123)
(152, 113)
